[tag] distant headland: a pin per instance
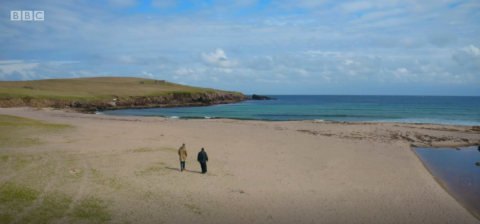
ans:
(88, 94)
(258, 97)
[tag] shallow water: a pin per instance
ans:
(458, 170)
(403, 109)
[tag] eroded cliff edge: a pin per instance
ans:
(164, 100)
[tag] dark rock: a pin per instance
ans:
(74, 103)
(258, 97)
(478, 163)
(169, 100)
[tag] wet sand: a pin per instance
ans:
(457, 171)
(258, 172)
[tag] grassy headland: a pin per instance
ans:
(96, 92)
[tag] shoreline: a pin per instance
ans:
(444, 185)
(261, 111)
(288, 171)
(474, 127)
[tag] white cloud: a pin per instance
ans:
(17, 65)
(469, 55)
(472, 51)
(283, 21)
(148, 74)
(183, 71)
(218, 59)
(347, 62)
(10, 62)
(127, 59)
(270, 81)
(302, 73)
(342, 42)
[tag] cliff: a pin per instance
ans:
(109, 93)
(258, 97)
(167, 100)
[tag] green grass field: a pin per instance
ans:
(21, 132)
(92, 89)
(38, 185)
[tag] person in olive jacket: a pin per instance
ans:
(202, 159)
(182, 153)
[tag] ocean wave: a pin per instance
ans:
(196, 117)
(176, 117)
(306, 116)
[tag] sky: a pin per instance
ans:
(371, 47)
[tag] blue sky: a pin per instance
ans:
(394, 47)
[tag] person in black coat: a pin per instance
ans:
(202, 159)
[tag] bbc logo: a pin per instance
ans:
(26, 15)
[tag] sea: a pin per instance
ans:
(451, 110)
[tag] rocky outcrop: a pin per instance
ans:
(258, 97)
(478, 163)
(167, 100)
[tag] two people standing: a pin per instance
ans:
(202, 158)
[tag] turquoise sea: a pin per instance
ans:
(455, 110)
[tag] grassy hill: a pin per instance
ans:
(97, 93)
(92, 89)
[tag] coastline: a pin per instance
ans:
(326, 108)
(443, 184)
(288, 171)
(473, 127)
(181, 99)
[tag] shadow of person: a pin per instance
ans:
(178, 169)
(193, 171)
(171, 168)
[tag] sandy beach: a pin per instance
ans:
(258, 172)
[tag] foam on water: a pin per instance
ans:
(400, 109)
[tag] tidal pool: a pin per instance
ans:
(457, 168)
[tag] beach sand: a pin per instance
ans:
(258, 172)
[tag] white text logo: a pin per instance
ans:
(26, 15)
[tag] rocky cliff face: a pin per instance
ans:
(169, 100)
(258, 97)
